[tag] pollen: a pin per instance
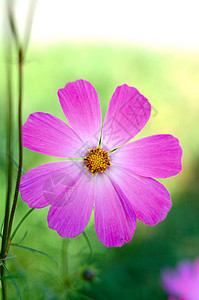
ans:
(97, 160)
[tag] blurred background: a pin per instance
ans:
(152, 45)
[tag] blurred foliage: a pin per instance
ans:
(170, 80)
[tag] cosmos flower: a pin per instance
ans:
(100, 170)
(183, 282)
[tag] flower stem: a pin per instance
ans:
(9, 178)
(64, 271)
(3, 282)
(9, 173)
(89, 244)
(64, 262)
(20, 70)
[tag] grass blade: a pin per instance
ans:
(23, 238)
(8, 277)
(12, 278)
(20, 223)
(8, 257)
(16, 164)
(34, 250)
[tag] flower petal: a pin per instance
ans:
(156, 156)
(49, 135)
(180, 282)
(71, 219)
(115, 219)
(127, 114)
(149, 198)
(51, 184)
(80, 104)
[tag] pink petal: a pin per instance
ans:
(127, 114)
(80, 104)
(156, 156)
(149, 198)
(51, 184)
(71, 220)
(49, 135)
(183, 281)
(115, 220)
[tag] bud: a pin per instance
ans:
(89, 274)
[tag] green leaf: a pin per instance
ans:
(23, 238)
(16, 164)
(12, 278)
(34, 250)
(89, 244)
(8, 277)
(8, 257)
(114, 150)
(20, 223)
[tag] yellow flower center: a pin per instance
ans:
(97, 160)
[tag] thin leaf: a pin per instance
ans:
(16, 164)
(12, 278)
(29, 21)
(23, 238)
(8, 257)
(8, 277)
(114, 150)
(12, 23)
(89, 244)
(34, 250)
(20, 223)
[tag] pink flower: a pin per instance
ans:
(183, 282)
(122, 189)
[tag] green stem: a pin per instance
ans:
(12, 23)
(3, 282)
(64, 263)
(20, 66)
(9, 179)
(4, 246)
(89, 244)
(64, 266)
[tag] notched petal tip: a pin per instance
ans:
(117, 243)
(178, 153)
(156, 156)
(81, 106)
(149, 198)
(46, 134)
(115, 219)
(127, 113)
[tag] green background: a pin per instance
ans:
(170, 80)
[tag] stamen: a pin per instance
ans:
(97, 160)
